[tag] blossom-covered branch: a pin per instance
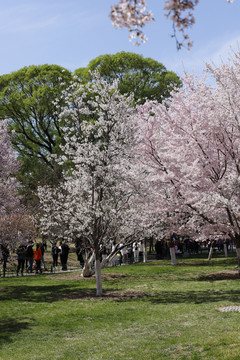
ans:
(191, 152)
(97, 201)
(12, 216)
(133, 14)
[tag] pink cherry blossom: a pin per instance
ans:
(134, 15)
(190, 148)
(10, 202)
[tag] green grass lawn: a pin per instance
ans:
(148, 311)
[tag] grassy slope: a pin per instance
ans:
(152, 311)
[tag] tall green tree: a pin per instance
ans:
(144, 77)
(27, 101)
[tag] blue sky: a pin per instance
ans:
(70, 33)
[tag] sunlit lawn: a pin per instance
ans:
(148, 311)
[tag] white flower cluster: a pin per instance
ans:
(98, 197)
(133, 15)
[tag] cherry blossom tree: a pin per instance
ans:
(16, 227)
(190, 147)
(11, 211)
(134, 15)
(98, 199)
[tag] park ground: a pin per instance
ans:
(152, 311)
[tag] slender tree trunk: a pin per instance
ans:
(173, 256)
(238, 257)
(210, 253)
(144, 251)
(98, 277)
(236, 240)
(87, 269)
(225, 250)
(87, 272)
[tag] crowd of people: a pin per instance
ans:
(30, 255)
(26, 256)
(62, 251)
(190, 246)
(125, 255)
(181, 246)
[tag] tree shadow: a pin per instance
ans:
(11, 326)
(47, 293)
(195, 297)
(53, 293)
(211, 263)
(221, 275)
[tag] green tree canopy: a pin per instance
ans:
(27, 101)
(145, 77)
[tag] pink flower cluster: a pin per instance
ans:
(133, 14)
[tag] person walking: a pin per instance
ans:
(29, 257)
(5, 255)
(158, 249)
(64, 255)
(55, 251)
(21, 257)
(42, 247)
(136, 251)
(80, 258)
(37, 258)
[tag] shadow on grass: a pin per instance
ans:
(47, 293)
(55, 293)
(11, 326)
(211, 263)
(195, 297)
(222, 275)
(198, 262)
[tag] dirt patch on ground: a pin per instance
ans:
(116, 295)
(2, 289)
(198, 263)
(221, 275)
(77, 276)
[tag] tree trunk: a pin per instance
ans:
(210, 253)
(87, 269)
(236, 240)
(238, 257)
(225, 250)
(144, 251)
(87, 272)
(98, 277)
(173, 256)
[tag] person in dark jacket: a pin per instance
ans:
(55, 251)
(64, 255)
(158, 249)
(5, 255)
(29, 257)
(80, 258)
(21, 257)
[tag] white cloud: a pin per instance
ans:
(225, 51)
(37, 16)
(216, 52)
(25, 18)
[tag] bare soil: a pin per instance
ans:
(222, 275)
(117, 295)
(77, 276)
